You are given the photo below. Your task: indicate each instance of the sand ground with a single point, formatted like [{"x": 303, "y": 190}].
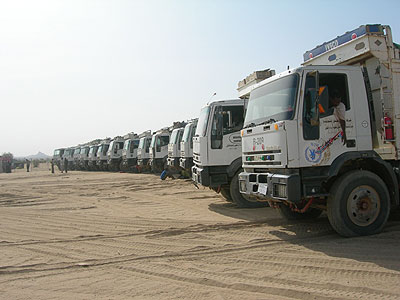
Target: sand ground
[{"x": 100, "y": 235}]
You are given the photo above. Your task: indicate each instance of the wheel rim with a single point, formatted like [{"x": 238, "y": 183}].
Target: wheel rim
[{"x": 363, "y": 205}]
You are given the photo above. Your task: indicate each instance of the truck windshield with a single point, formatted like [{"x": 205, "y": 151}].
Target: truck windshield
[
  {"x": 275, "y": 100},
  {"x": 186, "y": 133},
  {"x": 134, "y": 144},
  {"x": 126, "y": 144},
  {"x": 203, "y": 120},
  {"x": 141, "y": 143},
  {"x": 174, "y": 136},
  {"x": 153, "y": 141}
]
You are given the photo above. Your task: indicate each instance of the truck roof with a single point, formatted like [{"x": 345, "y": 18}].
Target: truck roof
[
  {"x": 343, "y": 39},
  {"x": 228, "y": 101}
]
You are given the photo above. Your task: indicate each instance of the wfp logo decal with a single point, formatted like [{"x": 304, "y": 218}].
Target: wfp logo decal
[{"x": 313, "y": 153}]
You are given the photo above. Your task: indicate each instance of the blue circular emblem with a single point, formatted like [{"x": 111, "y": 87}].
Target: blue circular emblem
[{"x": 313, "y": 153}]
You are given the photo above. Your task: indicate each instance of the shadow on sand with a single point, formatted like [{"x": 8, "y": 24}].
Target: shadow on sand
[{"x": 317, "y": 235}]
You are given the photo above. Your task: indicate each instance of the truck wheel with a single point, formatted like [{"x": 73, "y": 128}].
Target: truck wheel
[
  {"x": 286, "y": 212},
  {"x": 238, "y": 198},
  {"x": 225, "y": 192},
  {"x": 358, "y": 204}
]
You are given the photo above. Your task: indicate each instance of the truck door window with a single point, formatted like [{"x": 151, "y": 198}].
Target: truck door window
[
  {"x": 161, "y": 142},
  {"x": 310, "y": 113},
  {"x": 217, "y": 128},
  {"x": 233, "y": 117},
  {"x": 328, "y": 83},
  {"x": 227, "y": 120},
  {"x": 335, "y": 82}
]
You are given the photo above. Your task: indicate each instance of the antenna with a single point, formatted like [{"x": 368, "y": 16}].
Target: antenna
[{"x": 211, "y": 98}]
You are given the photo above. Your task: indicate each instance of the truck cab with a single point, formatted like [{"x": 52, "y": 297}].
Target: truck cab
[
  {"x": 159, "y": 150},
  {"x": 77, "y": 154},
  {"x": 69, "y": 156},
  {"x": 303, "y": 155},
  {"x": 186, "y": 159},
  {"x": 58, "y": 156},
  {"x": 217, "y": 149},
  {"x": 92, "y": 166},
  {"x": 129, "y": 153},
  {"x": 84, "y": 157},
  {"x": 101, "y": 158},
  {"x": 114, "y": 153},
  {"x": 174, "y": 149},
  {"x": 143, "y": 151}
]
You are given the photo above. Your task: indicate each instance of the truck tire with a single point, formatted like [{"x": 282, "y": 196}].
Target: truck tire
[
  {"x": 288, "y": 214},
  {"x": 238, "y": 198},
  {"x": 358, "y": 204},
  {"x": 225, "y": 192}
]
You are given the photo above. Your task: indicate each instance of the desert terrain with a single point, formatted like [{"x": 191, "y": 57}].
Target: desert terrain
[{"x": 99, "y": 235}]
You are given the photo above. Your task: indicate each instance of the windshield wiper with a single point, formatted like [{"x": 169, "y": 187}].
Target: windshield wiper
[
  {"x": 267, "y": 122},
  {"x": 249, "y": 125}
]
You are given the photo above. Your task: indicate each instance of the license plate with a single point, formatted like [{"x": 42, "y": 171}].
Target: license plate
[{"x": 263, "y": 189}]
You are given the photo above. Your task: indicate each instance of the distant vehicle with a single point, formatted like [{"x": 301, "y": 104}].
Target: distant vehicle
[
  {"x": 174, "y": 151},
  {"x": 159, "y": 150},
  {"x": 143, "y": 151},
  {"x": 217, "y": 149},
  {"x": 92, "y": 165},
  {"x": 101, "y": 158},
  {"x": 130, "y": 153},
  {"x": 186, "y": 155},
  {"x": 114, "y": 153},
  {"x": 57, "y": 157}
]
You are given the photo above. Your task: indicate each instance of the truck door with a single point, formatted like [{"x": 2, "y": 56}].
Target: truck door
[
  {"x": 321, "y": 139},
  {"x": 225, "y": 140}
]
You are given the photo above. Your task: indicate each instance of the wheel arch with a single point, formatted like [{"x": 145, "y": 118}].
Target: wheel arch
[
  {"x": 368, "y": 160},
  {"x": 235, "y": 166}
]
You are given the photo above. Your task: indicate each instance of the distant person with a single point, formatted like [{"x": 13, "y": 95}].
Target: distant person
[
  {"x": 66, "y": 165},
  {"x": 52, "y": 165},
  {"x": 28, "y": 164},
  {"x": 339, "y": 110}
]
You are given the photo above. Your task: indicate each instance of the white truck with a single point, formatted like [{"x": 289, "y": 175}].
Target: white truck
[
  {"x": 296, "y": 154},
  {"x": 174, "y": 150},
  {"x": 69, "y": 156},
  {"x": 76, "y": 156},
  {"x": 83, "y": 159},
  {"x": 57, "y": 157},
  {"x": 159, "y": 150},
  {"x": 129, "y": 153},
  {"x": 92, "y": 166},
  {"x": 143, "y": 152},
  {"x": 217, "y": 149},
  {"x": 186, "y": 156},
  {"x": 114, "y": 153},
  {"x": 101, "y": 158}
]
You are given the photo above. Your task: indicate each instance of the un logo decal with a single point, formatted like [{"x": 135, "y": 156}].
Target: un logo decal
[{"x": 313, "y": 153}]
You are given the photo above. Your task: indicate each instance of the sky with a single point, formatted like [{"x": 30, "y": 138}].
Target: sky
[{"x": 76, "y": 70}]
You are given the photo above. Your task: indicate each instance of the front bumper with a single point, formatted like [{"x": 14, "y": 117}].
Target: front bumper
[
  {"x": 209, "y": 177},
  {"x": 271, "y": 186}
]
